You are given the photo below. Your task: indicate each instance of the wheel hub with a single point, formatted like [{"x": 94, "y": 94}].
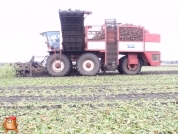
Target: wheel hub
[
  {"x": 88, "y": 65},
  {"x": 58, "y": 65},
  {"x": 132, "y": 67}
]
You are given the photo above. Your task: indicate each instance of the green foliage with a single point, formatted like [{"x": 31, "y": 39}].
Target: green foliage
[
  {"x": 99, "y": 116},
  {"x": 126, "y": 117},
  {"x": 7, "y": 71}
]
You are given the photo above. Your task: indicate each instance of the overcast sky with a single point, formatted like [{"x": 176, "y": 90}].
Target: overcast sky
[{"x": 23, "y": 20}]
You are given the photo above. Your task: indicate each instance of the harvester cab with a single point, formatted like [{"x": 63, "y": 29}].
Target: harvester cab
[{"x": 52, "y": 40}]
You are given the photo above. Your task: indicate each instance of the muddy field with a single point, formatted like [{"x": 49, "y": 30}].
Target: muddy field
[
  {"x": 143, "y": 103},
  {"x": 99, "y": 93},
  {"x": 94, "y": 97},
  {"x": 146, "y": 72}
]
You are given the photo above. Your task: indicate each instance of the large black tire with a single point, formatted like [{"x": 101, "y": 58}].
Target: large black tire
[
  {"x": 65, "y": 65},
  {"x": 141, "y": 62},
  {"x": 119, "y": 66},
  {"x": 88, "y": 58},
  {"x": 140, "y": 70},
  {"x": 124, "y": 69}
]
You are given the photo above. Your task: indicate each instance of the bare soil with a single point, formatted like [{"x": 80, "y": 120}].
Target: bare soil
[
  {"x": 168, "y": 95},
  {"x": 170, "y": 72},
  {"x": 131, "y": 96}
]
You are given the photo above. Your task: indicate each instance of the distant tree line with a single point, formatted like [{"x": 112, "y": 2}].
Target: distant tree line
[{"x": 170, "y": 62}]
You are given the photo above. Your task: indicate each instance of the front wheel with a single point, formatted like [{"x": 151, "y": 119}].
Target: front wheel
[
  {"x": 57, "y": 67},
  {"x": 88, "y": 64}
]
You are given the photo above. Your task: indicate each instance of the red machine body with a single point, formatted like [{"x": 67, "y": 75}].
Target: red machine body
[
  {"x": 148, "y": 48},
  {"x": 98, "y": 47}
]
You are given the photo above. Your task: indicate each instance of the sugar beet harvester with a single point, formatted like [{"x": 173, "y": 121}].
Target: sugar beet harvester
[{"x": 97, "y": 47}]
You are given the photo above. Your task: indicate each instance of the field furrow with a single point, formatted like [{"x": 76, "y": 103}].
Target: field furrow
[
  {"x": 172, "y": 95},
  {"x": 151, "y": 83},
  {"x": 146, "y": 72}
]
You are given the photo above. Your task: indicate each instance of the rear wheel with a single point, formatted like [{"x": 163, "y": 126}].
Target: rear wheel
[
  {"x": 131, "y": 69},
  {"x": 140, "y": 70},
  {"x": 119, "y": 67},
  {"x": 55, "y": 67},
  {"x": 141, "y": 62},
  {"x": 88, "y": 64}
]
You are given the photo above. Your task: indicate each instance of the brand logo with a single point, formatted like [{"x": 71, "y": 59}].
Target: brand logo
[
  {"x": 130, "y": 46},
  {"x": 10, "y": 124}
]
